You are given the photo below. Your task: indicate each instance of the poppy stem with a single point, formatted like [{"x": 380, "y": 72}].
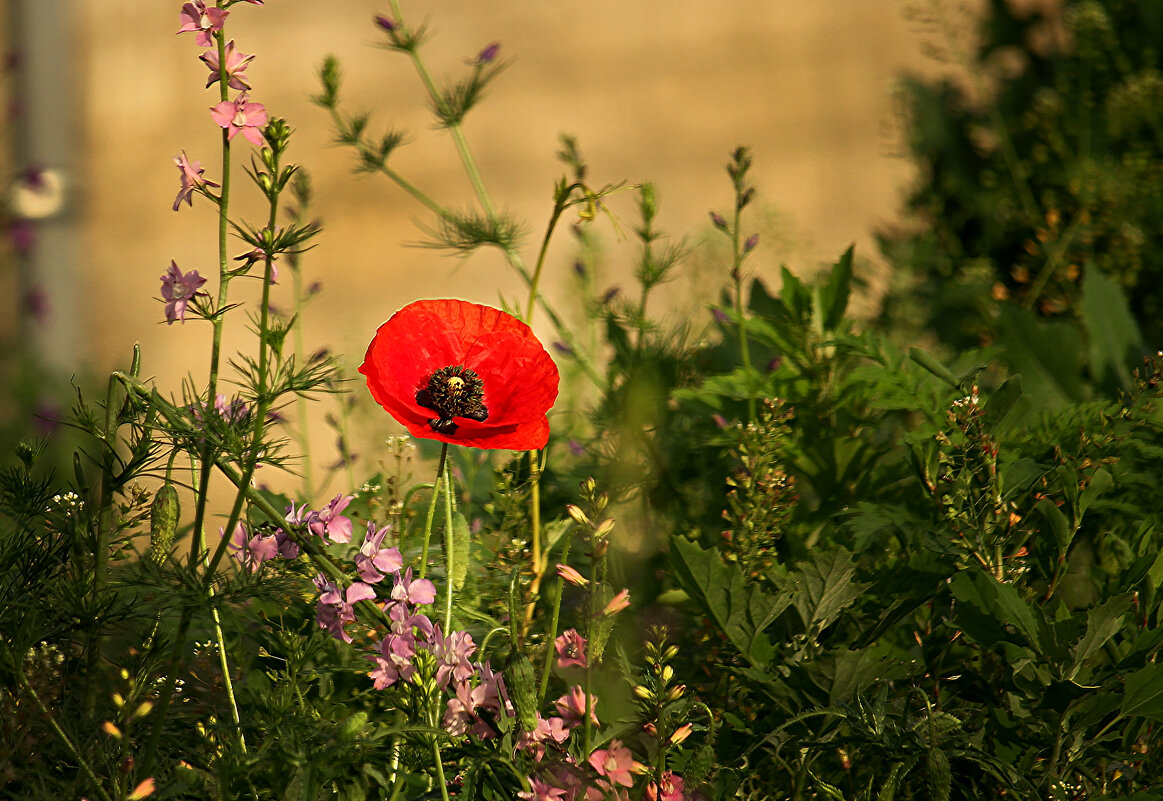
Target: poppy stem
[
  {"x": 432, "y": 509},
  {"x": 449, "y": 547}
]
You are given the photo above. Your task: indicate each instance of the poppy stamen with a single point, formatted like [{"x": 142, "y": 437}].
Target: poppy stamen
[{"x": 453, "y": 391}]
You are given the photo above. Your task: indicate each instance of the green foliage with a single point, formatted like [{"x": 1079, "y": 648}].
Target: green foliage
[{"x": 1041, "y": 178}]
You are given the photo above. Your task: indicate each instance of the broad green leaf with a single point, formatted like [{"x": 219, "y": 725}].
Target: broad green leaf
[
  {"x": 1114, "y": 336},
  {"x": 1046, "y": 354},
  {"x": 741, "y": 612},
  {"x": 824, "y": 587},
  {"x": 1017, "y": 612},
  {"x": 1143, "y": 693},
  {"x": 933, "y": 365}
]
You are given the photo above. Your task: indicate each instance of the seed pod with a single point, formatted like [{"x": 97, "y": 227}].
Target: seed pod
[
  {"x": 163, "y": 522},
  {"x": 522, "y": 686}
]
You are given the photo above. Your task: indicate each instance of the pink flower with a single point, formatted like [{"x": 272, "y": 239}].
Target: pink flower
[
  {"x": 372, "y": 561},
  {"x": 615, "y": 763},
  {"x": 335, "y": 609},
  {"x": 540, "y": 791},
  {"x": 452, "y": 653},
  {"x": 546, "y": 729},
  {"x": 190, "y": 174},
  {"x": 669, "y": 789},
  {"x": 178, "y": 290},
  {"x": 571, "y": 649},
  {"x": 329, "y": 524},
  {"x": 420, "y": 591},
  {"x": 241, "y": 115},
  {"x": 197, "y": 18},
  {"x": 394, "y": 662},
  {"x": 572, "y": 707},
  {"x": 253, "y": 551},
  {"x": 236, "y": 64}
]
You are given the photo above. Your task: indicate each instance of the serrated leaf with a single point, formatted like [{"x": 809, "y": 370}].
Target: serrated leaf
[
  {"x": 1059, "y": 525},
  {"x": 742, "y": 613},
  {"x": 824, "y": 587},
  {"x": 1102, "y": 622}
]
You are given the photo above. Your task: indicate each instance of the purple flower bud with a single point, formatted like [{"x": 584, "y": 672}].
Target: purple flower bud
[
  {"x": 720, "y": 420},
  {"x": 611, "y": 293},
  {"x": 576, "y": 448},
  {"x": 751, "y": 242},
  {"x": 774, "y": 364},
  {"x": 385, "y": 22},
  {"x": 579, "y": 268},
  {"x": 563, "y": 348},
  {"x": 489, "y": 53},
  {"x": 718, "y": 221},
  {"x": 315, "y": 288},
  {"x": 719, "y": 315}
]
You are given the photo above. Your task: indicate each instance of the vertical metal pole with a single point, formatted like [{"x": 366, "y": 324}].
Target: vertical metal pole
[{"x": 46, "y": 118}]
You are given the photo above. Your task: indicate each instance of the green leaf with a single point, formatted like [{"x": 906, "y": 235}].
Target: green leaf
[
  {"x": 933, "y": 365},
  {"x": 1143, "y": 693},
  {"x": 1016, "y": 477},
  {"x": 1046, "y": 354},
  {"x": 1114, "y": 336},
  {"x": 1059, "y": 525},
  {"x": 1102, "y": 622},
  {"x": 824, "y": 587},
  {"x": 742, "y": 613},
  {"x": 834, "y": 293},
  {"x": 1003, "y": 402}
]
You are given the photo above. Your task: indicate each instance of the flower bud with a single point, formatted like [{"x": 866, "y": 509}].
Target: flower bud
[
  {"x": 644, "y": 692},
  {"x": 718, "y": 221},
  {"x": 681, "y": 733},
  {"x": 751, "y": 242},
  {"x": 111, "y": 730},
  {"x": 577, "y": 514},
  {"x": 385, "y": 23},
  {"x": 604, "y": 529},
  {"x": 572, "y": 576},
  {"x": 676, "y": 692},
  {"x": 667, "y": 673}
]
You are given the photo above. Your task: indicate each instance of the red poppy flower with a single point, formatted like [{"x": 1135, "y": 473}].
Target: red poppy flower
[{"x": 463, "y": 373}]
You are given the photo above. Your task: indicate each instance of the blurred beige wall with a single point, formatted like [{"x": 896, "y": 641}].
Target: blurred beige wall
[{"x": 654, "y": 91}]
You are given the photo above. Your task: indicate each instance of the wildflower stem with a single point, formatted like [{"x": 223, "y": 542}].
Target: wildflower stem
[
  {"x": 432, "y": 509},
  {"x": 438, "y": 760},
  {"x": 552, "y": 635},
  {"x": 218, "y": 320},
  {"x": 737, "y": 279},
  {"x": 297, "y": 300}
]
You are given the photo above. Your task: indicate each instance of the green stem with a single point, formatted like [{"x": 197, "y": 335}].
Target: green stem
[
  {"x": 449, "y": 549},
  {"x": 303, "y": 431},
  {"x": 737, "y": 278},
  {"x": 438, "y": 761},
  {"x": 432, "y": 509},
  {"x": 549, "y": 650}
]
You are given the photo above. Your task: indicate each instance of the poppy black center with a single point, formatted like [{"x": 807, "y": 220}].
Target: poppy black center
[{"x": 453, "y": 391}]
